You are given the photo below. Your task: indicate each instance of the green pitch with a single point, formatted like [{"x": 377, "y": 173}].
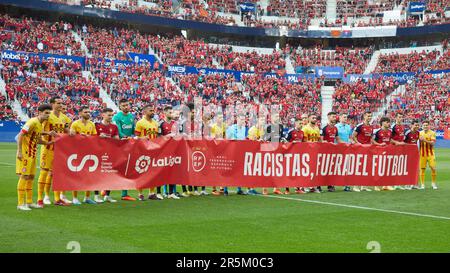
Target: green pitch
[{"x": 399, "y": 221}]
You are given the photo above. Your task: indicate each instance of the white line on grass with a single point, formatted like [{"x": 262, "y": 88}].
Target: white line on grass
[{"x": 358, "y": 207}]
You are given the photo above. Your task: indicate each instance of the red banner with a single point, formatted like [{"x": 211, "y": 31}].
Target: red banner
[{"x": 92, "y": 163}]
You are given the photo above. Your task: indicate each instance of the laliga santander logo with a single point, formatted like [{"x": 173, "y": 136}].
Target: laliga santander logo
[
  {"x": 198, "y": 161},
  {"x": 85, "y": 159},
  {"x": 142, "y": 164}
]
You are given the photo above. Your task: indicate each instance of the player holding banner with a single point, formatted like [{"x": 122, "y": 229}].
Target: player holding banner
[
  {"x": 411, "y": 137},
  {"x": 125, "y": 123},
  {"x": 58, "y": 122},
  {"x": 383, "y": 137},
  {"x": 398, "y": 135},
  {"x": 27, "y": 141},
  {"x": 363, "y": 135},
  {"x": 329, "y": 133},
  {"x": 295, "y": 135},
  {"x": 106, "y": 129},
  {"x": 427, "y": 139},
  {"x": 147, "y": 128},
  {"x": 85, "y": 127}
]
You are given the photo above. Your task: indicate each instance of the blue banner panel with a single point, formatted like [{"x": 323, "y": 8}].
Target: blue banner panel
[
  {"x": 9, "y": 130},
  {"x": 329, "y": 72},
  {"x": 355, "y": 77},
  {"x": 142, "y": 58},
  {"x": 16, "y": 56},
  {"x": 247, "y": 7},
  {"x": 401, "y": 78},
  {"x": 416, "y": 7}
]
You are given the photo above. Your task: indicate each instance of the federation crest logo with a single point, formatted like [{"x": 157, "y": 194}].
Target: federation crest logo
[
  {"x": 198, "y": 161},
  {"x": 86, "y": 158},
  {"x": 142, "y": 164}
]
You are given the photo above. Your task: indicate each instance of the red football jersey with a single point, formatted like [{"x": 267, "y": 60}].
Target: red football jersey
[
  {"x": 364, "y": 133},
  {"x": 398, "y": 132},
  {"x": 109, "y": 130},
  {"x": 165, "y": 127},
  {"x": 295, "y": 135},
  {"x": 329, "y": 133},
  {"x": 383, "y": 136},
  {"x": 411, "y": 137}
]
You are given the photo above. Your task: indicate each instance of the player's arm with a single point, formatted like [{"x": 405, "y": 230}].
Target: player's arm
[
  {"x": 138, "y": 132},
  {"x": 43, "y": 142},
  {"x": 116, "y": 133},
  {"x": 397, "y": 142},
  {"x": 338, "y": 139},
  {"x": 73, "y": 129},
  {"x": 322, "y": 134},
  {"x": 374, "y": 142},
  {"x": 47, "y": 133},
  {"x": 19, "y": 144},
  {"x": 354, "y": 137},
  {"x": 119, "y": 126}
]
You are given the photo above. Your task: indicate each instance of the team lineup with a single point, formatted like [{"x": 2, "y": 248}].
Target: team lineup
[{"x": 52, "y": 121}]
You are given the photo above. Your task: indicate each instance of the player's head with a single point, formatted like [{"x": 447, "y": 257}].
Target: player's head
[
  {"x": 367, "y": 117},
  {"x": 219, "y": 118},
  {"x": 312, "y": 119},
  {"x": 415, "y": 126},
  {"x": 331, "y": 117},
  {"x": 343, "y": 118},
  {"x": 398, "y": 118},
  {"x": 56, "y": 103},
  {"x": 425, "y": 125},
  {"x": 275, "y": 117},
  {"x": 298, "y": 123},
  {"x": 44, "y": 111},
  {"x": 385, "y": 122},
  {"x": 240, "y": 118},
  {"x": 261, "y": 120},
  {"x": 124, "y": 106},
  {"x": 63, "y": 108},
  {"x": 148, "y": 111},
  {"x": 305, "y": 119},
  {"x": 191, "y": 107},
  {"x": 168, "y": 112},
  {"x": 107, "y": 114},
  {"x": 176, "y": 114},
  {"x": 84, "y": 112}
]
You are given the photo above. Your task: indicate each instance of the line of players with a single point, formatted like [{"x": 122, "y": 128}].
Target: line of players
[{"x": 52, "y": 120}]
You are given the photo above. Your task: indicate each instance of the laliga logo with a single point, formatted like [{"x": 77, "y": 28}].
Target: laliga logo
[
  {"x": 83, "y": 162},
  {"x": 198, "y": 161},
  {"x": 142, "y": 164}
]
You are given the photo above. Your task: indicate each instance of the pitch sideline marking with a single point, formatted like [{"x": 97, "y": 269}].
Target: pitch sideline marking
[{"x": 358, "y": 207}]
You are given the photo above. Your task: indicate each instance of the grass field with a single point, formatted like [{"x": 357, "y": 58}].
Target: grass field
[{"x": 400, "y": 221}]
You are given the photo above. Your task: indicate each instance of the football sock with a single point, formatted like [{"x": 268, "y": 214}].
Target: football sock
[
  {"x": 422, "y": 176},
  {"x": 41, "y": 183},
  {"x": 48, "y": 184},
  {"x": 21, "y": 187},
  {"x": 29, "y": 191}
]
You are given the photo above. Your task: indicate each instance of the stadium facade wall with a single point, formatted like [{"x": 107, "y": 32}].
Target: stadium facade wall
[{"x": 339, "y": 32}]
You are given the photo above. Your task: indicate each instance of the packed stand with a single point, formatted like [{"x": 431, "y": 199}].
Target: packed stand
[
  {"x": 138, "y": 83},
  {"x": 251, "y": 61},
  {"x": 7, "y": 112},
  {"x": 29, "y": 35},
  {"x": 180, "y": 51},
  {"x": 412, "y": 62},
  {"x": 113, "y": 43},
  {"x": 33, "y": 82},
  {"x": 294, "y": 98},
  {"x": 426, "y": 98},
  {"x": 353, "y": 60},
  {"x": 356, "y": 98}
]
